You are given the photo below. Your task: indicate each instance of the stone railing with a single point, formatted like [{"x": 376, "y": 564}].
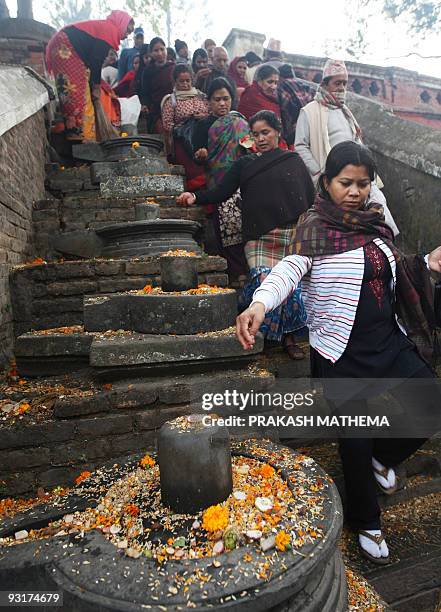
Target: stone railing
[{"x": 409, "y": 163}]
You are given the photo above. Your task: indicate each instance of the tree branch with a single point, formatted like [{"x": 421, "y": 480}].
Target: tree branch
[{"x": 414, "y": 53}]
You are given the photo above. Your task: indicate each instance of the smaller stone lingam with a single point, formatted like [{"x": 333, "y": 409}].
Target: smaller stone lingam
[
  {"x": 179, "y": 272},
  {"x": 195, "y": 464}
]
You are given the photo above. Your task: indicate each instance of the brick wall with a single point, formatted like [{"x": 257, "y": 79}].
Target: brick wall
[
  {"x": 23, "y": 52},
  {"x": 22, "y": 160}
]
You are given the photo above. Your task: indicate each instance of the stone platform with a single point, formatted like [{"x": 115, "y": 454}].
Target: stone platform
[
  {"x": 93, "y": 573},
  {"x": 137, "y": 354},
  {"x": 161, "y": 313},
  {"x": 51, "y": 295}
]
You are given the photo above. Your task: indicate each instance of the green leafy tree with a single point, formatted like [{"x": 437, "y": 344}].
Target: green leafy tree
[
  {"x": 152, "y": 12},
  {"x": 189, "y": 21},
  {"x": 64, "y": 12}
]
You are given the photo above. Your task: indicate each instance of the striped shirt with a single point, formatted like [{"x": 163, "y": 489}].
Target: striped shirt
[{"x": 330, "y": 289}]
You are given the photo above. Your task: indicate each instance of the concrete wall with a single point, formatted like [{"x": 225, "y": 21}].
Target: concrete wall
[
  {"x": 22, "y": 161},
  {"x": 409, "y": 163}
]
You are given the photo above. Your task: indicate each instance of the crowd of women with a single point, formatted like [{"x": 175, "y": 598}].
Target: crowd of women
[{"x": 293, "y": 200}]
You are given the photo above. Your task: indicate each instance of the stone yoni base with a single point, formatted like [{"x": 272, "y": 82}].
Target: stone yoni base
[
  {"x": 148, "y": 238},
  {"x": 150, "y": 185}
]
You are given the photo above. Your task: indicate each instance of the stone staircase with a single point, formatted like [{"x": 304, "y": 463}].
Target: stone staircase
[{"x": 99, "y": 381}]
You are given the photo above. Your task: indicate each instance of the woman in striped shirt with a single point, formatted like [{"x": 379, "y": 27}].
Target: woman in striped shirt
[{"x": 354, "y": 284}]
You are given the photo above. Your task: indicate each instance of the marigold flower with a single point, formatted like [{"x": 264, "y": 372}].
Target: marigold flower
[
  {"x": 283, "y": 540},
  {"x": 135, "y": 144},
  {"x": 131, "y": 509},
  {"x": 82, "y": 477},
  {"x": 124, "y": 134},
  {"x": 147, "y": 289},
  {"x": 266, "y": 471},
  {"x": 23, "y": 408},
  {"x": 147, "y": 461},
  {"x": 215, "y": 518}
]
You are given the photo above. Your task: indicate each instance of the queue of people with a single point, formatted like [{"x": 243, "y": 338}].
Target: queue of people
[{"x": 293, "y": 201}]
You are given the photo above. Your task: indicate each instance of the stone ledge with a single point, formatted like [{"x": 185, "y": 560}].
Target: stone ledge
[
  {"x": 137, "y": 349},
  {"x": 52, "y": 345}
]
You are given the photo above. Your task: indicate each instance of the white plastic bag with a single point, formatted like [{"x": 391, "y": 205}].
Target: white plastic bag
[{"x": 130, "y": 110}]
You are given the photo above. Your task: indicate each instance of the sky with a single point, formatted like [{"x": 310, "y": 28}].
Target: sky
[{"x": 311, "y": 27}]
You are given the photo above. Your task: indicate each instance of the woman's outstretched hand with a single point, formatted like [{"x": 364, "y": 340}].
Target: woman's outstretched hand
[
  {"x": 186, "y": 199},
  {"x": 435, "y": 260},
  {"x": 248, "y": 323},
  {"x": 201, "y": 154}
]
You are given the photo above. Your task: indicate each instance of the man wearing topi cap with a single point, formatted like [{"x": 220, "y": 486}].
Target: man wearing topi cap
[{"x": 327, "y": 121}]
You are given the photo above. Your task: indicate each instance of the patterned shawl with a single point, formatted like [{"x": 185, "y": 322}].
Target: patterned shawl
[
  {"x": 327, "y": 99},
  {"x": 224, "y": 145},
  {"x": 293, "y": 95},
  {"x": 326, "y": 229}
]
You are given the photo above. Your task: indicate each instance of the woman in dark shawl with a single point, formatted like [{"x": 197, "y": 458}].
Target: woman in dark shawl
[
  {"x": 275, "y": 188},
  {"x": 156, "y": 82},
  {"x": 218, "y": 141}
]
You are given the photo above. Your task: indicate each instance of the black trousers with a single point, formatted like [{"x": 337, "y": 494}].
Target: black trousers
[{"x": 363, "y": 510}]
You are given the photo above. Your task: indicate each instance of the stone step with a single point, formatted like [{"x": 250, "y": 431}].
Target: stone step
[
  {"x": 420, "y": 475},
  {"x": 412, "y": 581},
  {"x": 123, "y": 187},
  {"x": 161, "y": 313},
  {"x": 51, "y": 354},
  {"x": 125, "y": 355}
]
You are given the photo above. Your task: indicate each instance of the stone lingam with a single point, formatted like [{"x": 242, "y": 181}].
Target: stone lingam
[{"x": 125, "y": 538}]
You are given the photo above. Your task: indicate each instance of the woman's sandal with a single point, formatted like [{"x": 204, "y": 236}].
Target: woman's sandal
[
  {"x": 383, "y": 472},
  {"x": 293, "y": 350},
  {"x": 378, "y": 539}
]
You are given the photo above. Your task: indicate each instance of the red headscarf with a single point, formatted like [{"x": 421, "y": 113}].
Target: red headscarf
[
  {"x": 233, "y": 74},
  {"x": 254, "y": 100},
  {"x": 112, "y": 29}
]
